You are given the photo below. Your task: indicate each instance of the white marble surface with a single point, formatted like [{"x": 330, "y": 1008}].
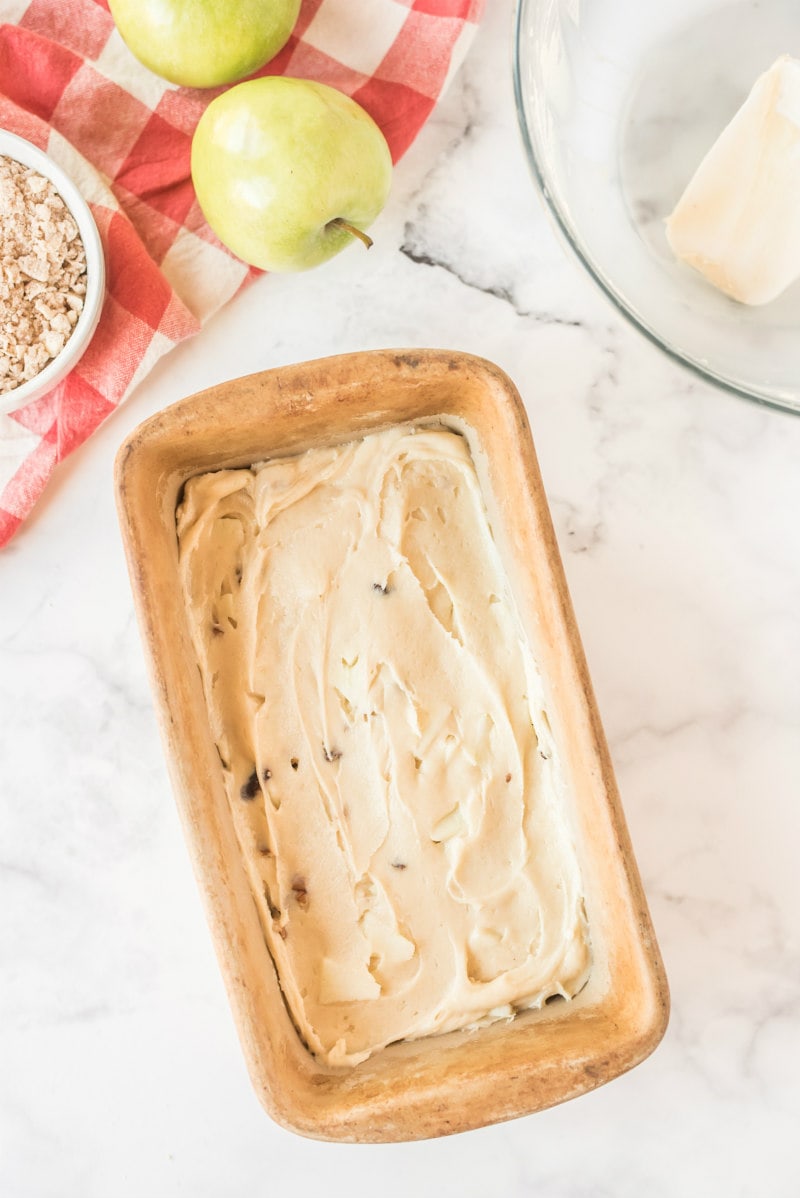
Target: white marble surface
[{"x": 676, "y": 509}]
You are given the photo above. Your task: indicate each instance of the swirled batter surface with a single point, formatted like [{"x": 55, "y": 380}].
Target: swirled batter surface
[{"x": 380, "y": 723}]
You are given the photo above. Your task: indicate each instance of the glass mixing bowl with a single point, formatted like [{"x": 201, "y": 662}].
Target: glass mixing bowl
[{"x": 618, "y": 102}]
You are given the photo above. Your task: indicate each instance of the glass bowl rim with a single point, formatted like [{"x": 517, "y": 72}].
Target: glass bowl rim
[{"x": 570, "y": 235}]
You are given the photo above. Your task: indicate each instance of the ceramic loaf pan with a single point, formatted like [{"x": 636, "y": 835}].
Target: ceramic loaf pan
[{"x": 440, "y": 1084}]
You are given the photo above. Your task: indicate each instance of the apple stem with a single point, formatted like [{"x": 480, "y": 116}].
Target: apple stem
[{"x": 351, "y": 229}]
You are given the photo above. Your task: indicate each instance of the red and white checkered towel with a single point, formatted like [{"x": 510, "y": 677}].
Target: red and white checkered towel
[{"x": 69, "y": 84}]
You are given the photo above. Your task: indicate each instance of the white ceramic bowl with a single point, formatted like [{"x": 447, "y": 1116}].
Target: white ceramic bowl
[
  {"x": 618, "y": 102},
  {"x": 25, "y": 152}
]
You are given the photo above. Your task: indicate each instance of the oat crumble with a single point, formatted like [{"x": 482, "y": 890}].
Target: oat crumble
[{"x": 42, "y": 273}]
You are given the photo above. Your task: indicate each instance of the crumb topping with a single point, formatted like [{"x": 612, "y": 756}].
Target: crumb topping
[{"x": 42, "y": 274}]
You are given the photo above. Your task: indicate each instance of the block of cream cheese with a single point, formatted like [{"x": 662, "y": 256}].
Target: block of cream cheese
[
  {"x": 738, "y": 222},
  {"x": 381, "y": 726}
]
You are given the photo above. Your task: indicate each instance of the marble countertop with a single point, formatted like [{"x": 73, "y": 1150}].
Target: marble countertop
[{"x": 676, "y": 509}]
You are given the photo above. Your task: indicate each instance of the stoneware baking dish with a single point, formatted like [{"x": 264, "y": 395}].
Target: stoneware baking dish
[{"x": 439, "y": 1084}]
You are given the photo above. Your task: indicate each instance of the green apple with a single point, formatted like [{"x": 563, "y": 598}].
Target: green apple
[
  {"x": 204, "y": 43},
  {"x": 288, "y": 171}
]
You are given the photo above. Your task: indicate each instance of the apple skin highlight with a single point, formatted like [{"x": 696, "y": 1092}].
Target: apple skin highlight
[{"x": 276, "y": 162}]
